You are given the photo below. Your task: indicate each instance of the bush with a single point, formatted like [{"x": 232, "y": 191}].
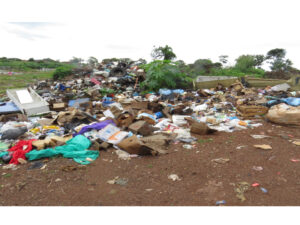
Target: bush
[
  {"x": 31, "y": 64},
  {"x": 62, "y": 72},
  {"x": 235, "y": 72},
  {"x": 164, "y": 74}
]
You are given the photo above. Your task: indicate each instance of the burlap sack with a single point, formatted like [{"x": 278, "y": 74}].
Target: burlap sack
[{"x": 284, "y": 114}]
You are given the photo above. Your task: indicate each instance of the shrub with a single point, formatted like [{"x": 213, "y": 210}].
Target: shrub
[
  {"x": 62, "y": 72},
  {"x": 164, "y": 74},
  {"x": 235, "y": 72}
]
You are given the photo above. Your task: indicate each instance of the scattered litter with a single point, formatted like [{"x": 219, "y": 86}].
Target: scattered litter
[
  {"x": 257, "y": 168},
  {"x": 106, "y": 106},
  {"x": 264, "y": 147},
  {"x": 296, "y": 143},
  {"x": 174, "y": 177},
  {"x": 36, "y": 165},
  {"x": 263, "y": 190},
  {"x": 123, "y": 155},
  {"x": 117, "y": 180},
  {"x": 10, "y": 167},
  {"x": 257, "y": 136},
  {"x": 221, "y": 202},
  {"x": 220, "y": 160},
  {"x": 295, "y": 160},
  {"x": 187, "y": 146},
  {"x": 241, "y": 188}
]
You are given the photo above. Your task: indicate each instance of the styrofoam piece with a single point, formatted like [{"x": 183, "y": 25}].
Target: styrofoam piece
[{"x": 37, "y": 106}]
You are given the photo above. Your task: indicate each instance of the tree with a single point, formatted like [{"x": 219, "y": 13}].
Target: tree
[
  {"x": 142, "y": 61},
  {"x": 76, "y": 61},
  {"x": 93, "y": 62},
  {"x": 276, "y": 57},
  {"x": 281, "y": 65},
  {"x": 202, "y": 66},
  {"x": 258, "y": 60},
  {"x": 276, "y": 53},
  {"x": 245, "y": 62},
  {"x": 223, "y": 59},
  {"x": 165, "y": 53}
]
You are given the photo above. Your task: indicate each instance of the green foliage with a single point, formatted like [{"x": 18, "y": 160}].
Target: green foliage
[
  {"x": 281, "y": 65},
  {"x": 258, "y": 60},
  {"x": 277, "y": 60},
  {"x": 164, "y": 74},
  {"x": 21, "y": 80},
  {"x": 76, "y": 61},
  {"x": 62, "y": 72},
  {"x": 24, "y": 65},
  {"x": 276, "y": 53},
  {"x": 165, "y": 53},
  {"x": 108, "y": 60},
  {"x": 204, "y": 66},
  {"x": 244, "y": 63},
  {"x": 105, "y": 91},
  {"x": 93, "y": 62},
  {"x": 235, "y": 72},
  {"x": 201, "y": 66},
  {"x": 223, "y": 59}
]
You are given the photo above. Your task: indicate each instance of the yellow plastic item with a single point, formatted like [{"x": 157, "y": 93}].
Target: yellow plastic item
[
  {"x": 35, "y": 130},
  {"x": 51, "y": 127}
]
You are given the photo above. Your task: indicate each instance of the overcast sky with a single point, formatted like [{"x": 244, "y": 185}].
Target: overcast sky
[{"x": 130, "y": 28}]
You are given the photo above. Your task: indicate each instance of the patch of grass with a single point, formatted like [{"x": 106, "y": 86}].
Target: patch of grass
[
  {"x": 7, "y": 175},
  {"x": 202, "y": 141},
  {"x": 22, "y": 80},
  {"x": 150, "y": 166}
]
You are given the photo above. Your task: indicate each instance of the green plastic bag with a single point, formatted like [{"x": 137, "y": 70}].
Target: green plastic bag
[{"x": 76, "y": 148}]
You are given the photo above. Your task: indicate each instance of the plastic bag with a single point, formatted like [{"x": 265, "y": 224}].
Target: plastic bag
[{"x": 76, "y": 148}]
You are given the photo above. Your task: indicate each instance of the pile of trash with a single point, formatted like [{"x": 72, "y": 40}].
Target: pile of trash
[{"x": 104, "y": 109}]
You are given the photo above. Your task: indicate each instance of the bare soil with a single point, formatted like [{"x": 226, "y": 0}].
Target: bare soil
[{"x": 203, "y": 182}]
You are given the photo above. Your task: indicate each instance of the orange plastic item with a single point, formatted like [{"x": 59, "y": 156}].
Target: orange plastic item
[{"x": 242, "y": 123}]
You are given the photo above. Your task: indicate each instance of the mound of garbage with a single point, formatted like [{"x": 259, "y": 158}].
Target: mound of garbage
[{"x": 105, "y": 109}]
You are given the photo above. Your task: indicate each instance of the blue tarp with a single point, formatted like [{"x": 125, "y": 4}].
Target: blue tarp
[
  {"x": 75, "y": 103},
  {"x": 9, "y": 107},
  {"x": 289, "y": 101}
]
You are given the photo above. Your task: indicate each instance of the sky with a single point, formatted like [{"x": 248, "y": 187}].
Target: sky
[{"x": 117, "y": 28}]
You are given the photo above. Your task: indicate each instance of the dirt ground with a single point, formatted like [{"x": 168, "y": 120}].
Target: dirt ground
[{"x": 202, "y": 183}]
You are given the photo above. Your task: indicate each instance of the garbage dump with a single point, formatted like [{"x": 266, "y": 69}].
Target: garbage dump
[{"x": 105, "y": 109}]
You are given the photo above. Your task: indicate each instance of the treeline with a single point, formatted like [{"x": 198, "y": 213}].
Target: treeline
[
  {"x": 16, "y": 64},
  {"x": 166, "y": 71},
  {"x": 280, "y": 66}
]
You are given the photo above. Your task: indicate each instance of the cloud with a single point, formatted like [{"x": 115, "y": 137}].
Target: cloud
[
  {"x": 29, "y": 30},
  {"x": 32, "y": 25},
  {"x": 26, "y": 35}
]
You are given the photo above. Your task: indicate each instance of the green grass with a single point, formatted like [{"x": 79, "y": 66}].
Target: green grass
[
  {"x": 22, "y": 80},
  {"x": 202, "y": 141}
]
